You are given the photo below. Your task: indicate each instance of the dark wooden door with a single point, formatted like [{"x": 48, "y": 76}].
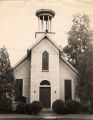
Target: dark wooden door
[
  {"x": 68, "y": 90},
  {"x": 45, "y": 96}
]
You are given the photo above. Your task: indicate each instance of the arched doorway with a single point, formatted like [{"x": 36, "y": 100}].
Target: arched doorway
[{"x": 45, "y": 94}]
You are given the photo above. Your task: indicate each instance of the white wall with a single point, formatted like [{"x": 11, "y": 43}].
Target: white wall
[
  {"x": 22, "y": 71},
  {"x": 30, "y": 70},
  {"x": 66, "y": 73},
  {"x": 36, "y": 70}
]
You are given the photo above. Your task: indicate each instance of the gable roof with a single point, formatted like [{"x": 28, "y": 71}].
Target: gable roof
[
  {"x": 20, "y": 61},
  {"x": 52, "y": 42},
  {"x": 68, "y": 64},
  {"x": 48, "y": 38}
]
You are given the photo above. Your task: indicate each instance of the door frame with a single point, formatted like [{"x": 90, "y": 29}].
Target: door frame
[{"x": 46, "y": 86}]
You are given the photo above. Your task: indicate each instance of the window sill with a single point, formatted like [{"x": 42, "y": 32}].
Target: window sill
[{"x": 45, "y": 70}]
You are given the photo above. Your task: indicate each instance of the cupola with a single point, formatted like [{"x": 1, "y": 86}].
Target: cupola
[{"x": 44, "y": 21}]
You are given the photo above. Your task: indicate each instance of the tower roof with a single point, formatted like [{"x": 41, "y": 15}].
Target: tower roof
[{"x": 44, "y": 12}]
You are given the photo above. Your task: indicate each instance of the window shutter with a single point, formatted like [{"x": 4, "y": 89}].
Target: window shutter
[
  {"x": 68, "y": 90},
  {"x": 18, "y": 87}
]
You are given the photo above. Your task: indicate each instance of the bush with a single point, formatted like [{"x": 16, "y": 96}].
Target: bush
[
  {"x": 66, "y": 109},
  {"x": 73, "y": 107},
  {"x": 28, "y": 108},
  {"x": 32, "y": 108},
  {"x": 90, "y": 110},
  {"x": 21, "y": 109},
  {"x": 5, "y": 106},
  {"x": 85, "y": 108},
  {"x": 58, "y": 106},
  {"x": 21, "y": 99},
  {"x": 36, "y": 107},
  {"x": 24, "y": 108}
]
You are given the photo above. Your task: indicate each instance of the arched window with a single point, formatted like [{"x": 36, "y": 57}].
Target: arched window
[
  {"x": 45, "y": 82},
  {"x": 45, "y": 60}
]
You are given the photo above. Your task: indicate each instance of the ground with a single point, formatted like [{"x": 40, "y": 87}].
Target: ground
[{"x": 46, "y": 117}]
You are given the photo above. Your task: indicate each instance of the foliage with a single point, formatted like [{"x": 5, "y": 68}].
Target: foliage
[
  {"x": 68, "y": 107},
  {"x": 21, "y": 99},
  {"x": 90, "y": 110},
  {"x": 20, "y": 108},
  {"x": 32, "y": 108},
  {"x": 73, "y": 107},
  {"x": 6, "y": 75},
  {"x": 36, "y": 107},
  {"x": 84, "y": 83},
  {"x": 58, "y": 106},
  {"x": 5, "y": 106},
  {"x": 24, "y": 108},
  {"x": 77, "y": 39},
  {"x": 85, "y": 108}
]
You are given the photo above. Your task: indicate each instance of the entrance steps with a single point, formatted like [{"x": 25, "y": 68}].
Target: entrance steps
[{"x": 47, "y": 111}]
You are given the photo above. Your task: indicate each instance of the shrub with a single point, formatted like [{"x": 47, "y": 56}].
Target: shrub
[
  {"x": 66, "y": 109},
  {"x": 87, "y": 109},
  {"x": 58, "y": 106},
  {"x": 73, "y": 106},
  {"x": 29, "y": 109},
  {"x": 84, "y": 108},
  {"x": 21, "y": 99},
  {"x": 5, "y": 106},
  {"x": 90, "y": 110},
  {"x": 32, "y": 108},
  {"x": 36, "y": 107},
  {"x": 21, "y": 108}
]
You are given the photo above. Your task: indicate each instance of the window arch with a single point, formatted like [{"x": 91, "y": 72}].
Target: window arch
[
  {"x": 45, "y": 60},
  {"x": 45, "y": 82}
]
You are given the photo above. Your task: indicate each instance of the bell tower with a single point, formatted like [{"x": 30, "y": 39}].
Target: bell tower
[{"x": 44, "y": 21}]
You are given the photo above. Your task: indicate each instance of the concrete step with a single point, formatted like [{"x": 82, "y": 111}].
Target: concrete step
[{"x": 47, "y": 111}]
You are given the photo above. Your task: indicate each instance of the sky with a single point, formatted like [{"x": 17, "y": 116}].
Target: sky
[{"x": 18, "y": 22}]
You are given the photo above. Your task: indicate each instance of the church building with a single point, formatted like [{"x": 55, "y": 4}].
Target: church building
[{"x": 43, "y": 74}]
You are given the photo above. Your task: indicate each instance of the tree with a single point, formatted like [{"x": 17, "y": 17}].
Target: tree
[
  {"x": 84, "y": 83},
  {"x": 77, "y": 39},
  {"x": 6, "y": 75}
]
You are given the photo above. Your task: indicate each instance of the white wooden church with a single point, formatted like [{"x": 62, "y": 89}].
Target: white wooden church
[{"x": 44, "y": 74}]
